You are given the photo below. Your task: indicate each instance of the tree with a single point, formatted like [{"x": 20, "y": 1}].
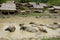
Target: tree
[
  {"x": 24, "y": 1},
  {"x": 1, "y": 1}
]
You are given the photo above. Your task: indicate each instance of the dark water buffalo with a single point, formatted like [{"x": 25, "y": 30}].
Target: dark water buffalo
[
  {"x": 29, "y": 29},
  {"x": 41, "y": 28},
  {"x": 23, "y": 28},
  {"x": 10, "y": 29},
  {"x": 21, "y": 24}
]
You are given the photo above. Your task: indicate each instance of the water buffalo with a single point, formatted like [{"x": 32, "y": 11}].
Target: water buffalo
[
  {"x": 21, "y": 24},
  {"x": 29, "y": 29},
  {"x": 41, "y": 28},
  {"x": 10, "y": 29}
]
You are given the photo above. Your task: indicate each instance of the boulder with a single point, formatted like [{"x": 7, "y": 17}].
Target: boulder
[
  {"x": 38, "y": 16},
  {"x": 41, "y": 25}
]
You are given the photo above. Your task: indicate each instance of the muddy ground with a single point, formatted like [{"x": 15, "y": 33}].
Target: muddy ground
[{"x": 24, "y": 35}]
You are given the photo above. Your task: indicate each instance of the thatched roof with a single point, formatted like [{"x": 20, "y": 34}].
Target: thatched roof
[
  {"x": 8, "y": 6},
  {"x": 51, "y": 8},
  {"x": 57, "y": 7},
  {"x": 38, "y": 6},
  {"x": 43, "y": 4},
  {"x": 23, "y": 4},
  {"x": 32, "y": 3}
]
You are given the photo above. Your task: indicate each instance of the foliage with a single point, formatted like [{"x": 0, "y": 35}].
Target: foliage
[
  {"x": 52, "y": 2},
  {"x": 52, "y": 39},
  {"x": 1, "y": 1}
]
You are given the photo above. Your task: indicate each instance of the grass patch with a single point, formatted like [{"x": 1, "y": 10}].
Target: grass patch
[
  {"x": 38, "y": 14},
  {"x": 33, "y": 14},
  {"x": 52, "y": 38}
]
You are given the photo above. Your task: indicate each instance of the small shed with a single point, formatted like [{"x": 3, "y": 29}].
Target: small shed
[{"x": 8, "y": 7}]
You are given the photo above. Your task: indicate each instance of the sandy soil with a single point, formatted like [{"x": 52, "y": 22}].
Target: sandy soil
[{"x": 4, "y": 23}]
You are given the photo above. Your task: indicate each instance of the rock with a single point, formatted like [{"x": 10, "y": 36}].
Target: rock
[
  {"x": 38, "y": 16},
  {"x": 10, "y": 29}
]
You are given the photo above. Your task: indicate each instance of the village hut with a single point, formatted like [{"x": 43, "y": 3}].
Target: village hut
[
  {"x": 35, "y": 7},
  {"x": 17, "y": 5},
  {"x": 51, "y": 10},
  {"x": 38, "y": 8},
  {"x": 23, "y": 4},
  {"x": 57, "y": 8},
  {"x": 8, "y": 8},
  {"x": 30, "y": 4}
]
